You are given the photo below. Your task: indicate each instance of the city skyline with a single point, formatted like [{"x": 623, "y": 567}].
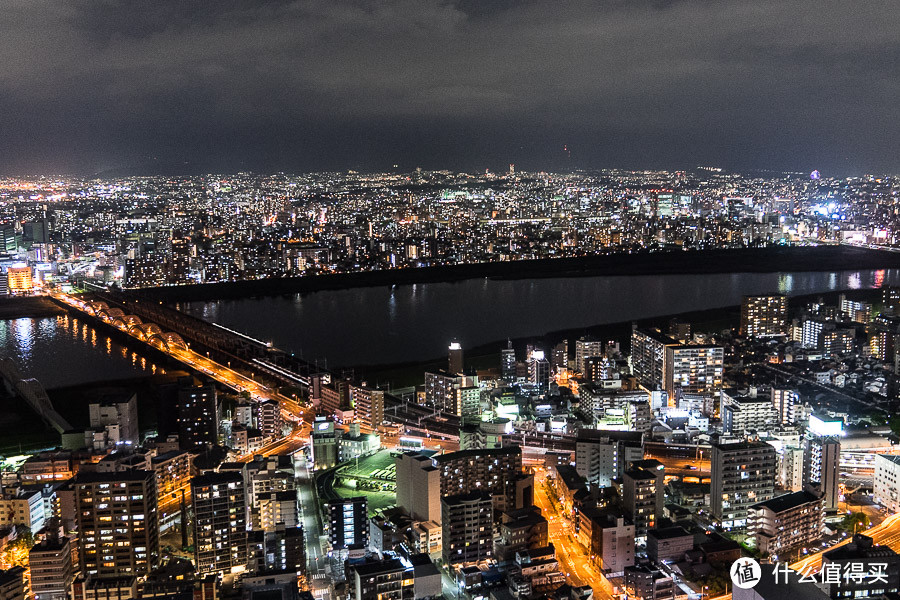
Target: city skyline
[{"x": 306, "y": 86}]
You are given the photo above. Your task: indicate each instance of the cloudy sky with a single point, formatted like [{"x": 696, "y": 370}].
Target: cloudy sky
[{"x": 95, "y": 85}]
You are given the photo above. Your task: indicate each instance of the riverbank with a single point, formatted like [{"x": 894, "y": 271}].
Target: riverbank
[
  {"x": 487, "y": 356},
  {"x": 750, "y": 260},
  {"x": 23, "y": 307}
]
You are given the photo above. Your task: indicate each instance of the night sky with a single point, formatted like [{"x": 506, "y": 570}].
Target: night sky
[{"x": 100, "y": 86}]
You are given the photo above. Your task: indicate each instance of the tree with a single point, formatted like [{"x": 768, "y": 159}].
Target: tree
[{"x": 855, "y": 522}]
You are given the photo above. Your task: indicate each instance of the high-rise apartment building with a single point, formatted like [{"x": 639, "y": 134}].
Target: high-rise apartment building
[
  {"x": 643, "y": 496},
  {"x": 467, "y": 521},
  {"x": 764, "y": 316},
  {"x": 108, "y": 544},
  {"x": 50, "y": 563},
  {"x": 785, "y": 402},
  {"x": 742, "y": 474},
  {"x": 497, "y": 471},
  {"x": 368, "y": 405},
  {"x": 220, "y": 522},
  {"x": 348, "y": 523},
  {"x": 198, "y": 414},
  {"x": 601, "y": 456},
  {"x": 455, "y": 362},
  {"x": 787, "y": 522},
  {"x": 586, "y": 348},
  {"x": 886, "y": 490},
  {"x": 418, "y": 486},
  {"x": 821, "y": 466},
  {"x": 508, "y": 363},
  {"x": 660, "y": 362},
  {"x": 559, "y": 357}
]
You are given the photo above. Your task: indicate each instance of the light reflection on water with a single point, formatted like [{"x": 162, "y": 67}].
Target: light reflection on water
[
  {"x": 61, "y": 351},
  {"x": 391, "y": 324}
]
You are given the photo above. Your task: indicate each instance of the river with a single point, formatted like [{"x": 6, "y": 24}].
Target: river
[{"x": 380, "y": 325}]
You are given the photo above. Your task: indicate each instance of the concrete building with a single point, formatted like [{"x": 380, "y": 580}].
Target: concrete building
[
  {"x": 862, "y": 556},
  {"x": 886, "y": 490},
  {"x": 12, "y": 584},
  {"x": 786, "y": 523},
  {"x": 586, "y": 348},
  {"x": 455, "y": 361},
  {"x": 348, "y": 523},
  {"x": 497, "y": 471},
  {"x": 52, "y": 574},
  {"x": 220, "y": 522},
  {"x": 742, "y": 474},
  {"x": 198, "y": 414},
  {"x": 669, "y": 544},
  {"x": 648, "y": 582},
  {"x": 130, "y": 546},
  {"x": 380, "y": 579},
  {"x": 821, "y": 466},
  {"x": 662, "y": 363},
  {"x": 643, "y": 493},
  {"x": 764, "y": 316},
  {"x": 368, "y": 404},
  {"x": 609, "y": 538},
  {"x": 116, "y": 415},
  {"x": 785, "y": 402},
  {"x": 601, "y": 456},
  {"x": 325, "y": 444},
  {"x": 747, "y": 413},
  {"x": 467, "y": 521},
  {"x": 418, "y": 487}
]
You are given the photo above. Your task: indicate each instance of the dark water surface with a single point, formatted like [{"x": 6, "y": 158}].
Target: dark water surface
[{"x": 378, "y": 325}]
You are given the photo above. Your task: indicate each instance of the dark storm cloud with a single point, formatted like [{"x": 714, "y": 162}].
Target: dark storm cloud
[{"x": 468, "y": 84}]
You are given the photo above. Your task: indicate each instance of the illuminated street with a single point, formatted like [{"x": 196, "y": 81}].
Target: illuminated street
[{"x": 572, "y": 557}]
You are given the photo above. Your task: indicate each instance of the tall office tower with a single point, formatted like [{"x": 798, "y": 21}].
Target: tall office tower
[
  {"x": 455, "y": 362},
  {"x": 268, "y": 418},
  {"x": 198, "y": 414},
  {"x": 821, "y": 466},
  {"x": 601, "y": 456},
  {"x": 865, "y": 569},
  {"x": 220, "y": 522},
  {"x": 348, "y": 523},
  {"x": 467, "y": 522},
  {"x": 50, "y": 563},
  {"x": 368, "y": 405},
  {"x": 508, "y": 362},
  {"x": 109, "y": 545},
  {"x": 538, "y": 369},
  {"x": 418, "y": 487},
  {"x": 786, "y": 403},
  {"x": 642, "y": 491},
  {"x": 742, "y": 474},
  {"x": 494, "y": 470},
  {"x": 585, "y": 348},
  {"x": 117, "y": 414},
  {"x": 764, "y": 316},
  {"x": 559, "y": 357}
]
